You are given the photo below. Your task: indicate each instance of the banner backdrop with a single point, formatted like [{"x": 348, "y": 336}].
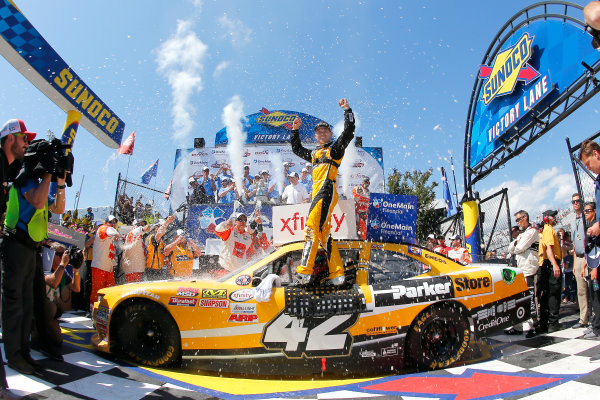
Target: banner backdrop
[
  {"x": 392, "y": 218},
  {"x": 365, "y": 162},
  {"x": 202, "y": 219},
  {"x": 288, "y": 222}
]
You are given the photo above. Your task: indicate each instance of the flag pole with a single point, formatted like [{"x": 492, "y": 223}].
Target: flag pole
[
  {"x": 128, "y": 161},
  {"x": 454, "y": 179}
]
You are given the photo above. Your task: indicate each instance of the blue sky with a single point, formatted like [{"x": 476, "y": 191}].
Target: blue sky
[{"x": 407, "y": 69}]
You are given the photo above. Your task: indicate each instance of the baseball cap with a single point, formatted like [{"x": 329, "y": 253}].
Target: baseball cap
[
  {"x": 366, "y": 179},
  {"x": 191, "y": 179},
  {"x": 293, "y": 175},
  {"x": 550, "y": 213},
  {"x": 308, "y": 164},
  {"x": 264, "y": 171},
  {"x": 112, "y": 218},
  {"x": 431, "y": 236},
  {"x": 225, "y": 179},
  {"x": 240, "y": 214},
  {"x": 322, "y": 124},
  {"x": 16, "y": 126},
  {"x": 304, "y": 170},
  {"x": 205, "y": 169},
  {"x": 179, "y": 232},
  {"x": 455, "y": 237}
]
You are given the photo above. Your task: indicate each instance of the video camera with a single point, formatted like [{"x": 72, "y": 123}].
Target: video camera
[
  {"x": 43, "y": 156},
  {"x": 75, "y": 257}
]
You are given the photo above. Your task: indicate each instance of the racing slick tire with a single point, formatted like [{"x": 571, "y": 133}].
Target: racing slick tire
[
  {"x": 146, "y": 333},
  {"x": 438, "y": 337}
]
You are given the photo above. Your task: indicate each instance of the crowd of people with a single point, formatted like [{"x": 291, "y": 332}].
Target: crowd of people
[{"x": 127, "y": 210}]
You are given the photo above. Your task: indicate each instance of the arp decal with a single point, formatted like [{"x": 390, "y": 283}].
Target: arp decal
[
  {"x": 214, "y": 293},
  {"x": 413, "y": 291},
  {"x": 313, "y": 337},
  {"x": 243, "y": 318},
  {"x": 477, "y": 282}
]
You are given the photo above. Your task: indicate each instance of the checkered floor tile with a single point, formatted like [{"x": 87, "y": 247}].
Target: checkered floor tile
[{"x": 554, "y": 365}]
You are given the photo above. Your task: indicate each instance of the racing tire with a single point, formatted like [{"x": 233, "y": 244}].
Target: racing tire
[
  {"x": 438, "y": 337},
  {"x": 147, "y": 334}
]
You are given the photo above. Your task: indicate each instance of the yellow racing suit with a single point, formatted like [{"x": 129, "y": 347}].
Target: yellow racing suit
[{"x": 326, "y": 160}]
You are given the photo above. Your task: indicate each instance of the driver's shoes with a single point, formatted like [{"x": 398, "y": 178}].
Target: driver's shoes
[
  {"x": 337, "y": 281},
  {"x": 304, "y": 279}
]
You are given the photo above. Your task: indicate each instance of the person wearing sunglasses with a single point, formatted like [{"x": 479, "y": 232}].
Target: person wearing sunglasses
[
  {"x": 577, "y": 229},
  {"x": 525, "y": 249}
]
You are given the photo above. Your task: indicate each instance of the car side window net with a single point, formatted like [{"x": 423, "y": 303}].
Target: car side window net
[{"x": 390, "y": 266}]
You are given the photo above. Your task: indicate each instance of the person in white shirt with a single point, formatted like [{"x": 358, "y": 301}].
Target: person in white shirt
[
  {"x": 525, "y": 249},
  {"x": 295, "y": 192},
  {"x": 238, "y": 241},
  {"x": 457, "y": 252},
  {"x": 104, "y": 259},
  {"x": 133, "y": 261}
]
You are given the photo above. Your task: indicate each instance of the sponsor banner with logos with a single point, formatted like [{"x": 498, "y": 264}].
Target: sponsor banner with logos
[
  {"x": 392, "y": 218},
  {"x": 367, "y": 162},
  {"x": 25, "y": 48},
  {"x": 289, "y": 222},
  {"x": 501, "y": 314},
  {"x": 534, "y": 66}
]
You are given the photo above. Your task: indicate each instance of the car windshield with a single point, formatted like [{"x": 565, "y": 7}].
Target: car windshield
[{"x": 259, "y": 256}]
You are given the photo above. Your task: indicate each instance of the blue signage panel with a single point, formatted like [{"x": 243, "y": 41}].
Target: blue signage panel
[
  {"x": 533, "y": 67},
  {"x": 392, "y": 218},
  {"x": 273, "y": 127}
]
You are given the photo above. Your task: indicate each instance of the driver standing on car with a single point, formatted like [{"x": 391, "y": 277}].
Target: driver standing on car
[{"x": 326, "y": 159}]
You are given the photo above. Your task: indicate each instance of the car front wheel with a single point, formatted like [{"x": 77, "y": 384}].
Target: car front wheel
[{"x": 147, "y": 334}]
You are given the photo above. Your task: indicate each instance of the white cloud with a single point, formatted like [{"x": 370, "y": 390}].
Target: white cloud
[
  {"x": 180, "y": 60},
  {"x": 438, "y": 127},
  {"x": 220, "y": 68},
  {"x": 548, "y": 188},
  {"x": 235, "y": 30}
]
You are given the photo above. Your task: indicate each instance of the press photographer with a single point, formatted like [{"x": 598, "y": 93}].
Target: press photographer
[{"x": 26, "y": 226}]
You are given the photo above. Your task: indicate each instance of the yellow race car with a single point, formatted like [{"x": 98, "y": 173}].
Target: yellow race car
[{"x": 400, "y": 303}]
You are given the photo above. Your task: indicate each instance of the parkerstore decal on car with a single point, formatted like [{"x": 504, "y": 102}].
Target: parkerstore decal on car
[
  {"x": 413, "y": 291},
  {"x": 182, "y": 301},
  {"x": 476, "y": 282},
  {"x": 313, "y": 337},
  {"x": 187, "y": 292},
  {"x": 243, "y": 280},
  {"x": 213, "y": 303},
  {"x": 214, "y": 293},
  {"x": 241, "y": 295}
]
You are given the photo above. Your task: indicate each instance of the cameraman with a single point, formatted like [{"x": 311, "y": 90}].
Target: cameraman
[{"x": 26, "y": 226}]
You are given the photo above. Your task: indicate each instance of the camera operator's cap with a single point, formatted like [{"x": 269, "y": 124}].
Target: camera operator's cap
[
  {"x": 16, "y": 126},
  {"x": 293, "y": 175},
  {"x": 180, "y": 232},
  {"x": 431, "y": 236},
  {"x": 455, "y": 237},
  {"x": 550, "y": 213},
  {"x": 322, "y": 124}
]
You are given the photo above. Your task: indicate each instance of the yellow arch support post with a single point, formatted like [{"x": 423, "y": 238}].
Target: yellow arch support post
[
  {"x": 472, "y": 229},
  {"x": 70, "y": 129}
]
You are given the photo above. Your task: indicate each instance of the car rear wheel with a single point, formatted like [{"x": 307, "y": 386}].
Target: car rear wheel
[
  {"x": 438, "y": 337},
  {"x": 147, "y": 333}
]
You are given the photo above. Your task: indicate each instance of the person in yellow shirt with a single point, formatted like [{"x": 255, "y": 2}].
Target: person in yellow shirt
[
  {"x": 155, "y": 260},
  {"x": 550, "y": 275},
  {"x": 180, "y": 253}
]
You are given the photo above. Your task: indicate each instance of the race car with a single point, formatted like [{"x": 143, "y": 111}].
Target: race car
[{"x": 401, "y": 303}]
